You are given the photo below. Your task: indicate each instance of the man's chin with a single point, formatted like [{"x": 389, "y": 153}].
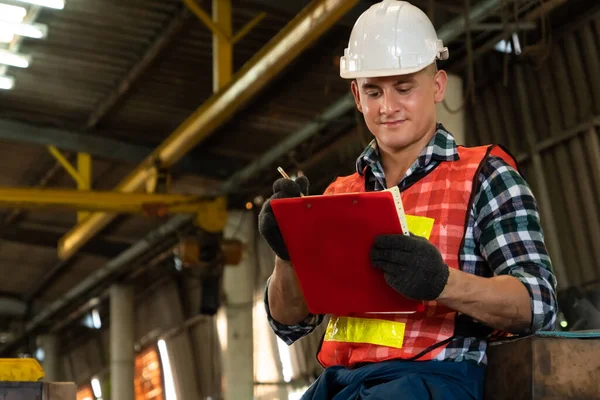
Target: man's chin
[{"x": 394, "y": 146}]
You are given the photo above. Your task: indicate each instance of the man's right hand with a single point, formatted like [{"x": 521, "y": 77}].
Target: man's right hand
[{"x": 267, "y": 224}]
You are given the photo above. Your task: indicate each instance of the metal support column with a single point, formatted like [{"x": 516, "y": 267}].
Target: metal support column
[
  {"x": 238, "y": 281},
  {"x": 121, "y": 342},
  {"x": 51, "y": 363},
  {"x": 82, "y": 174},
  {"x": 551, "y": 230},
  {"x": 452, "y": 114},
  {"x": 222, "y": 44},
  {"x": 84, "y": 168}
]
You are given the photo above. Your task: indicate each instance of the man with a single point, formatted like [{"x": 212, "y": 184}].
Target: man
[{"x": 485, "y": 267}]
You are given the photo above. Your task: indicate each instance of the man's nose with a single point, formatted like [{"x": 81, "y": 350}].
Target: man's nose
[{"x": 389, "y": 104}]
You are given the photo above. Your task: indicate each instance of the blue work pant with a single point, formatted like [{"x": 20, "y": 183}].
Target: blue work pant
[{"x": 427, "y": 380}]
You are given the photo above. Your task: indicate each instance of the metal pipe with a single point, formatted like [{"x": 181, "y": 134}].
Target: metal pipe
[
  {"x": 300, "y": 33},
  {"x": 513, "y": 27}
]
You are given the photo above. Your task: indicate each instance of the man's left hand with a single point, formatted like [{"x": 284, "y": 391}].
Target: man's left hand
[{"x": 412, "y": 265}]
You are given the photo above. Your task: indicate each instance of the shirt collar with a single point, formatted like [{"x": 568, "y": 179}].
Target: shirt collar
[{"x": 441, "y": 147}]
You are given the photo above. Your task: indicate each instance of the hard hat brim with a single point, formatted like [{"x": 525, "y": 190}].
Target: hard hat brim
[{"x": 382, "y": 72}]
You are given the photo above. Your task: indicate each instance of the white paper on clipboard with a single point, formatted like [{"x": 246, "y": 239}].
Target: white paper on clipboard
[{"x": 399, "y": 209}]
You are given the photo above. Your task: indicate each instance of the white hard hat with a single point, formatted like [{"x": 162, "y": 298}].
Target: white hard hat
[{"x": 391, "y": 38}]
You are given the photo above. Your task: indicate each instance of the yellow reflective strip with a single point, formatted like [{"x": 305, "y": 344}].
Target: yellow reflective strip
[
  {"x": 420, "y": 226},
  {"x": 366, "y": 330}
]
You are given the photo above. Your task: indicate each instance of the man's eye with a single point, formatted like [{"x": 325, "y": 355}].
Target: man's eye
[
  {"x": 373, "y": 94},
  {"x": 403, "y": 90}
]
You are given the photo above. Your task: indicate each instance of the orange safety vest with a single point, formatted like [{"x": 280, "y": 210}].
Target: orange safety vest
[{"x": 446, "y": 195}]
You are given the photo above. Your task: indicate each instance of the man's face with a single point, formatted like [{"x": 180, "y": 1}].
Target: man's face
[{"x": 400, "y": 110}]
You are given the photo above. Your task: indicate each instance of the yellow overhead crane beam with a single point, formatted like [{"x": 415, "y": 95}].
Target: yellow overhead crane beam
[
  {"x": 106, "y": 201},
  {"x": 212, "y": 214}
]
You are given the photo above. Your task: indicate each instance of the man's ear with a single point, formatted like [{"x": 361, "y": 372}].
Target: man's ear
[
  {"x": 356, "y": 94},
  {"x": 440, "y": 82}
]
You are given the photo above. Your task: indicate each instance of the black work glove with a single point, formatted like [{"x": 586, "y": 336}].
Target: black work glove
[
  {"x": 412, "y": 265},
  {"x": 267, "y": 224}
]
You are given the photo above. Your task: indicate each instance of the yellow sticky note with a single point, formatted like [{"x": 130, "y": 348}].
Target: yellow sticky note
[{"x": 420, "y": 226}]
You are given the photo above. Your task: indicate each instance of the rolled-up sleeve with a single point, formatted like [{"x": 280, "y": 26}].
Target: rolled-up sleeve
[
  {"x": 511, "y": 238},
  {"x": 291, "y": 333}
]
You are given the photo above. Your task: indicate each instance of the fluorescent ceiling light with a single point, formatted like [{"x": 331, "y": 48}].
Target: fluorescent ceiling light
[
  {"x": 57, "y": 4},
  {"x": 35, "y": 31},
  {"x": 286, "y": 361},
  {"x": 6, "y": 37},
  {"x": 505, "y": 46},
  {"x": 97, "y": 388},
  {"x": 7, "y": 82},
  {"x": 14, "y": 59},
  {"x": 39, "y": 354},
  {"x": 96, "y": 321},
  {"x": 12, "y": 13},
  {"x": 517, "y": 44},
  {"x": 170, "y": 393}
]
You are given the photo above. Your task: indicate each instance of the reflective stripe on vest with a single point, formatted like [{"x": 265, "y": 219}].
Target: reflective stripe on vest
[{"x": 444, "y": 195}]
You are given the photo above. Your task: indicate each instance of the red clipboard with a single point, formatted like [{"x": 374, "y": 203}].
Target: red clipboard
[{"x": 329, "y": 239}]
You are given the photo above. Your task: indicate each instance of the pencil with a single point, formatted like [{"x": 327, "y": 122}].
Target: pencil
[{"x": 283, "y": 173}]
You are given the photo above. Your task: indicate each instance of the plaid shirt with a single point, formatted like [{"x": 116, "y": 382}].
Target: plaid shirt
[{"x": 503, "y": 237}]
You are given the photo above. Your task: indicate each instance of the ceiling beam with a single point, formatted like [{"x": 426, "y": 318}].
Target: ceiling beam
[
  {"x": 49, "y": 238},
  {"x": 213, "y": 166},
  {"x": 512, "y": 27}
]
